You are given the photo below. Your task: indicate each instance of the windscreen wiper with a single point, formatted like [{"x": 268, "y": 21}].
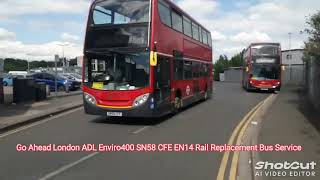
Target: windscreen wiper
[{"x": 99, "y": 51}]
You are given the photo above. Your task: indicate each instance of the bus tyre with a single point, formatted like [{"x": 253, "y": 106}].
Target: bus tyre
[
  {"x": 61, "y": 89},
  {"x": 177, "y": 104},
  {"x": 247, "y": 87},
  {"x": 206, "y": 95}
]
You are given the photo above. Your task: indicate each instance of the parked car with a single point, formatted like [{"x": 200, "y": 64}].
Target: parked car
[
  {"x": 7, "y": 80},
  {"x": 72, "y": 76},
  {"x": 62, "y": 83},
  {"x": 18, "y": 73}
]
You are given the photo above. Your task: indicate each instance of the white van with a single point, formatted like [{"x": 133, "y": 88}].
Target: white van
[{"x": 18, "y": 73}]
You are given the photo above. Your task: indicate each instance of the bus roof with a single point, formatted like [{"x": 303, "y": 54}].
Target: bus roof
[{"x": 264, "y": 43}]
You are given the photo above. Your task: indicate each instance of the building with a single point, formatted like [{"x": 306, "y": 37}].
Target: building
[
  {"x": 292, "y": 57},
  {"x": 294, "y": 73},
  {"x": 79, "y": 61},
  {"x": 233, "y": 74}
]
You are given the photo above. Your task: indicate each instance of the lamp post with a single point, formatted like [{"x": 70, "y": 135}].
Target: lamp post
[
  {"x": 56, "y": 58},
  {"x": 28, "y": 60},
  {"x": 63, "y": 61},
  {"x": 290, "y": 55}
]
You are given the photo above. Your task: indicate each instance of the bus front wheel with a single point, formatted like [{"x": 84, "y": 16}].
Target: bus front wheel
[
  {"x": 177, "y": 104},
  {"x": 61, "y": 89},
  {"x": 206, "y": 94}
]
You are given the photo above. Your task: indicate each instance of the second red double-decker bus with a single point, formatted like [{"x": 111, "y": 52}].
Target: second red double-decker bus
[
  {"x": 263, "y": 67},
  {"x": 144, "y": 58}
]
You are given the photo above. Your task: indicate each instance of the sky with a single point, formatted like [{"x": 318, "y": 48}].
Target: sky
[{"x": 38, "y": 29}]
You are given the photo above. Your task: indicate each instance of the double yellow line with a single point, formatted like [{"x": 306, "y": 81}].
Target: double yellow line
[{"x": 238, "y": 133}]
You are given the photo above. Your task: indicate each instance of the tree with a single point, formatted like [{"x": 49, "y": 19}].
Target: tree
[
  {"x": 223, "y": 63},
  {"x": 312, "y": 46},
  {"x": 220, "y": 65},
  {"x": 237, "y": 60},
  {"x": 11, "y": 64}
]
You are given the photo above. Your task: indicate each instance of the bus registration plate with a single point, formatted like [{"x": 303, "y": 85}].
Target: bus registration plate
[
  {"x": 114, "y": 114},
  {"x": 264, "y": 89}
]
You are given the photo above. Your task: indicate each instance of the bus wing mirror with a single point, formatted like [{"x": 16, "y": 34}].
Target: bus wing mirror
[{"x": 153, "y": 58}]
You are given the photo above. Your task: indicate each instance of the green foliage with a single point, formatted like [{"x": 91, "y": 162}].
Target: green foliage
[
  {"x": 223, "y": 63},
  {"x": 237, "y": 60},
  {"x": 11, "y": 64},
  {"x": 15, "y": 65},
  {"x": 312, "y": 46},
  {"x": 220, "y": 65},
  {"x": 43, "y": 64}
]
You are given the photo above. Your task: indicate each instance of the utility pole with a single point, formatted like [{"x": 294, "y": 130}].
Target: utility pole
[
  {"x": 290, "y": 55},
  {"x": 63, "y": 57},
  {"x": 290, "y": 41},
  {"x": 56, "y": 59},
  {"x": 28, "y": 61}
]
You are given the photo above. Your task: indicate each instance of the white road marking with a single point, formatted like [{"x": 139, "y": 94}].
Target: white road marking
[
  {"x": 66, "y": 167},
  {"x": 38, "y": 123},
  {"x": 141, "y": 129}
]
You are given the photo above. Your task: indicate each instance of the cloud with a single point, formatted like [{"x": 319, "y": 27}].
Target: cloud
[
  {"x": 69, "y": 37},
  {"x": 246, "y": 38},
  {"x": 7, "y": 35},
  {"x": 217, "y": 36},
  {"x": 11, "y": 48},
  {"x": 13, "y": 8},
  {"x": 199, "y": 8}
]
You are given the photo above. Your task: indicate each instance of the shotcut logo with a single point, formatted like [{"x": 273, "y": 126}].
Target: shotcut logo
[{"x": 285, "y": 169}]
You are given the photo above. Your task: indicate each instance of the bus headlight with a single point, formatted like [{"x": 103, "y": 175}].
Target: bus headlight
[
  {"x": 90, "y": 99},
  {"x": 141, "y": 100}
]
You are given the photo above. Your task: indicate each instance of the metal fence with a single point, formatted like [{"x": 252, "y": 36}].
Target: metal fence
[
  {"x": 294, "y": 74},
  {"x": 233, "y": 75},
  {"x": 313, "y": 81}
]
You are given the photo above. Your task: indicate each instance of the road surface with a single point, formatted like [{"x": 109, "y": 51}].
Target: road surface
[{"x": 210, "y": 122}]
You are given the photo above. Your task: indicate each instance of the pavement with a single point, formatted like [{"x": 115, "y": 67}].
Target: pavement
[
  {"x": 290, "y": 120},
  {"x": 209, "y": 122},
  {"x": 8, "y": 94},
  {"x": 14, "y": 115},
  {"x": 64, "y": 94}
]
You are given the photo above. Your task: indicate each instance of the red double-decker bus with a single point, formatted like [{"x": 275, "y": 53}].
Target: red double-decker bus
[
  {"x": 263, "y": 67},
  {"x": 144, "y": 58}
]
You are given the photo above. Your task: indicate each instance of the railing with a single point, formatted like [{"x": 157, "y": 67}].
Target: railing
[
  {"x": 313, "y": 81},
  {"x": 294, "y": 74}
]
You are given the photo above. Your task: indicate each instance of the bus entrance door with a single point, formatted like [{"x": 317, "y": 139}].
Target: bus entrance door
[{"x": 162, "y": 84}]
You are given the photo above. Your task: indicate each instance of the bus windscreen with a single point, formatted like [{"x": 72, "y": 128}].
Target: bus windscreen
[
  {"x": 266, "y": 72},
  {"x": 265, "y": 50},
  {"x": 118, "y": 71}
]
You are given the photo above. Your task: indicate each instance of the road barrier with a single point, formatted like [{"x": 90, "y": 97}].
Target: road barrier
[
  {"x": 24, "y": 90},
  {"x": 41, "y": 91}
]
